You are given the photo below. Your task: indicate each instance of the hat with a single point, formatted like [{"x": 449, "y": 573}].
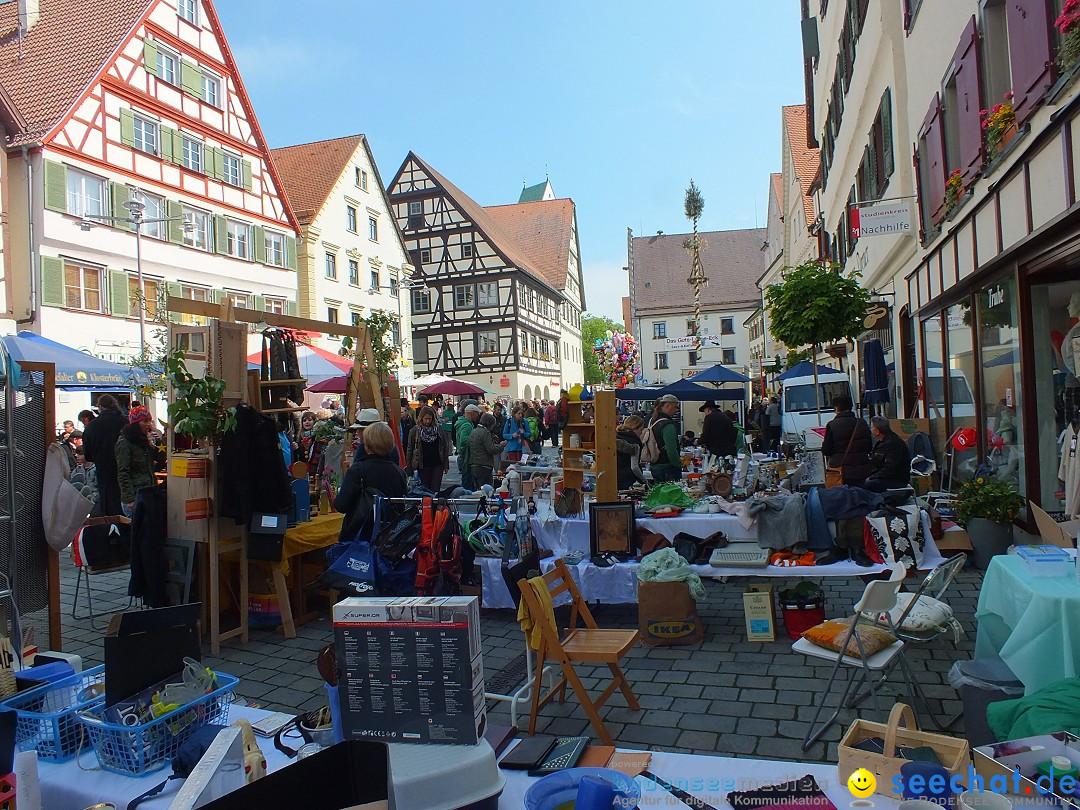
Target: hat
[
  {"x": 139, "y": 414},
  {"x": 666, "y": 398},
  {"x": 473, "y": 409},
  {"x": 366, "y": 418},
  {"x": 708, "y": 404}
]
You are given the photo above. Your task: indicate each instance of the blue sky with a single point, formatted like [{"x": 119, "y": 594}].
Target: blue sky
[{"x": 620, "y": 102}]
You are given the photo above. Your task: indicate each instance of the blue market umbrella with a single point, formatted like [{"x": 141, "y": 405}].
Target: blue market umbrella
[
  {"x": 75, "y": 370},
  {"x": 805, "y": 369},
  {"x": 718, "y": 374},
  {"x": 877, "y": 378}
]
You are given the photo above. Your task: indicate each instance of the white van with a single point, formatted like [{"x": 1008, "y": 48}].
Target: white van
[
  {"x": 802, "y": 410},
  {"x": 963, "y": 401}
]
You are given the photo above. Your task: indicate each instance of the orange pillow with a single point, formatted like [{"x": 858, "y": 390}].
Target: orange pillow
[{"x": 831, "y": 634}]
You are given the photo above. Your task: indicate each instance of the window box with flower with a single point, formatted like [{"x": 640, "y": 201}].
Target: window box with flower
[
  {"x": 1068, "y": 25},
  {"x": 955, "y": 192},
  {"x": 999, "y": 126}
]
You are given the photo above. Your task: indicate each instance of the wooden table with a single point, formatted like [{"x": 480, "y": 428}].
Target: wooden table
[{"x": 318, "y": 533}]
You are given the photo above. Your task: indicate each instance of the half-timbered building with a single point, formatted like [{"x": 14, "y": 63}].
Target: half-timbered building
[
  {"x": 134, "y": 100},
  {"x": 485, "y": 312}
]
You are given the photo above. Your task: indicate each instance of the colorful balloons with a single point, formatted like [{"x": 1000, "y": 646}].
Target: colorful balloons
[{"x": 618, "y": 358}]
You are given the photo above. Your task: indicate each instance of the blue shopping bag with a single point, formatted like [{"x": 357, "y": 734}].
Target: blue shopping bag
[{"x": 352, "y": 569}]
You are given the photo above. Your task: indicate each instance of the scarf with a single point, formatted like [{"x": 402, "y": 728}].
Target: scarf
[{"x": 428, "y": 434}]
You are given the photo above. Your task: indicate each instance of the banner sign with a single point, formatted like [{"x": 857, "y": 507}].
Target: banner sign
[
  {"x": 707, "y": 342},
  {"x": 884, "y": 219}
]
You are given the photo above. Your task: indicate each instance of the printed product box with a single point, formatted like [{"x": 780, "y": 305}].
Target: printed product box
[
  {"x": 410, "y": 669},
  {"x": 758, "y": 607}
]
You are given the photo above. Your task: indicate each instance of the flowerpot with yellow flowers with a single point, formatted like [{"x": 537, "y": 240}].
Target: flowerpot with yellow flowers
[
  {"x": 986, "y": 507},
  {"x": 954, "y": 191},
  {"x": 999, "y": 126}
]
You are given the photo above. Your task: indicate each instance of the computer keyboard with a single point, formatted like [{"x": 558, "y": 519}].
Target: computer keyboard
[{"x": 757, "y": 558}]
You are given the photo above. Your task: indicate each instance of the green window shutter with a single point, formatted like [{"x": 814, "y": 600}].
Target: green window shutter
[
  {"x": 177, "y": 147},
  {"x": 127, "y": 127},
  {"x": 290, "y": 307},
  {"x": 259, "y": 251},
  {"x": 119, "y": 194},
  {"x": 887, "y": 133},
  {"x": 150, "y": 56},
  {"x": 247, "y": 174},
  {"x": 166, "y": 145},
  {"x": 191, "y": 78},
  {"x": 221, "y": 237},
  {"x": 175, "y": 212},
  {"x": 55, "y": 187},
  {"x": 175, "y": 289},
  {"x": 52, "y": 281},
  {"x": 290, "y": 252},
  {"x": 217, "y": 296},
  {"x": 120, "y": 303},
  {"x": 210, "y": 156},
  {"x": 260, "y": 303},
  {"x": 219, "y": 164}
]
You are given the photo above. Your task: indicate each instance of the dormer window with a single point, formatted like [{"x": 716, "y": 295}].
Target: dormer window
[{"x": 189, "y": 10}]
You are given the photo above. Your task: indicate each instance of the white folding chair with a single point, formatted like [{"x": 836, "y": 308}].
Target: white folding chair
[
  {"x": 878, "y": 598},
  {"x": 927, "y": 598}
]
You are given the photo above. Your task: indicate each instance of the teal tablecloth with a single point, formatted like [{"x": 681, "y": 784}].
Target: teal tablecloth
[{"x": 1030, "y": 623}]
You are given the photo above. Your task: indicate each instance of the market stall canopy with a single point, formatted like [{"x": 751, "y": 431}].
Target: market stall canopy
[
  {"x": 718, "y": 374},
  {"x": 429, "y": 379},
  {"x": 685, "y": 390},
  {"x": 75, "y": 370},
  {"x": 806, "y": 369},
  {"x": 316, "y": 365},
  {"x": 455, "y": 388},
  {"x": 334, "y": 385}
]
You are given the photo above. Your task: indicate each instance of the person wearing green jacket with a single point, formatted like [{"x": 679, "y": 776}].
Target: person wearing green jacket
[
  {"x": 135, "y": 457},
  {"x": 462, "y": 429},
  {"x": 669, "y": 466},
  {"x": 484, "y": 451}
]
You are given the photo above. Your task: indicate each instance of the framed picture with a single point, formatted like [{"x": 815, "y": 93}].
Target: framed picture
[{"x": 611, "y": 528}]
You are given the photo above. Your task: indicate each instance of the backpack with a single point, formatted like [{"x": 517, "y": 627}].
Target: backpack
[
  {"x": 651, "y": 442},
  {"x": 438, "y": 554}
]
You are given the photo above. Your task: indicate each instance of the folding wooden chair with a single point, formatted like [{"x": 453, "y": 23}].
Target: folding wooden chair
[{"x": 580, "y": 645}]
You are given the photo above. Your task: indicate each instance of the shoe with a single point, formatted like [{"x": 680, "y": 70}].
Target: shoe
[
  {"x": 860, "y": 557},
  {"x": 833, "y": 555}
]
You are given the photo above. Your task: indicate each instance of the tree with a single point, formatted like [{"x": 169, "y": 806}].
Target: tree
[
  {"x": 592, "y": 330},
  {"x": 816, "y": 304}
]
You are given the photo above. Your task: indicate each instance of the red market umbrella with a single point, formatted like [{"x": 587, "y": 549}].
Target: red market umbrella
[
  {"x": 454, "y": 388},
  {"x": 334, "y": 385}
]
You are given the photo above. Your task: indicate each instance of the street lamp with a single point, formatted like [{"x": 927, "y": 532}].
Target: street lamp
[{"x": 136, "y": 220}]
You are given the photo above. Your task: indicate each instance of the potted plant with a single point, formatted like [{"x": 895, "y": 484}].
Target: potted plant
[
  {"x": 999, "y": 126},
  {"x": 197, "y": 410},
  {"x": 954, "y": 191},
  {"x": 986, "y": 507},
  {"x": 1068, "y": 25}
]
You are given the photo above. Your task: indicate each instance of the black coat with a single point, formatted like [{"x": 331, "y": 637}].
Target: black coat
[
  {"x": 627, "y": 446},
  {"x": 370, "y": 472},
  {"x": 718, "y": 434},
  {"x": 99, "y": 443},
  {"x": 253, "y": 475},
  {"x": 856, "y": 461},
  {"x": 891, "y": 460}
]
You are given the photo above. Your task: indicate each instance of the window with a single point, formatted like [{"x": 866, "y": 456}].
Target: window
[
  {"x": 148, "y": 298},
  {"x": 416, "y": 208},
  {"x": 350, "y": 218},
  {"x": 363, "y": 180},
  {"x": 275, "y": 249},
  {"x": 232, "y": 171},
  {"x": 533, "y": 346},
  {"x": 331, "y": 266},
  {"x": 425, "y": 256},
  {"x": 659, "y": 330},
  {"x": 373, "y": 229},
  {"x": 487, "y": 342},
  {"x": 193, "y": 154},
  {"x": 355, "y": 318},
  {"x": 82, "y": 287},
  {"x": 466, "y": 251},
  {"x": 487, "y": 294},
  {"x": 395, "y": 287},
  {"x": 168, "y": 65},
  {"x": 238, "y": 237},
  {"x": 660, "y": 360},
  {"x": 464, "y": 296},
  {"x": 421, "y": 300},
  {"x": 276, "y": 305},
  {"x": 332, "y": 315},
  {"x": 357, "y": 170},
  {"x": 155, "y": 209},
  {"x": 85, "y": 194},
  {"x": 241, "y": 300},
  {"x": 524, "y": 344},
  {"x": 691, "y": 327},
  {"x": 375, "y": 281},
  {"x": 878, "y": 160},
  {"x": 211, "y": 89},
  {"x": 199, "y": 236},
  {"x": 146, "y": 135},
  {"x": 727, "y": 326},
  {"x": 354, "y": 272},
  {"x": 189, "y": 10},
  {"x": 194, "y": 293},
  {"x": 911, "y": 8},
  {"x": 728, "y": 357},
  {"x": 395, "y": 333},
  {"x": 692, "y": 358}
]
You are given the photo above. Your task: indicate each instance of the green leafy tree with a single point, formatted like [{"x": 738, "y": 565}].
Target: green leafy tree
[
  {"x": 592, "y": 329},
  {"x": 794, "y": 357},
  {"x": 383, "y": 349}
]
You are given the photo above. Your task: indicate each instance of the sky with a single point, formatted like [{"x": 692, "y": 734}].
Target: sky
[{"x": 620, "y": 103}]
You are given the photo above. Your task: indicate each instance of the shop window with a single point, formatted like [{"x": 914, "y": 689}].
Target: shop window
[
  {"x": 999, "y": 364},
  {"x": 960, "y": 379},
  {"x": 933, "y": 384}
]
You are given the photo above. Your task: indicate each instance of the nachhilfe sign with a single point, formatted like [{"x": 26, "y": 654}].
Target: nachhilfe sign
[{"x": 881, "y": 220}]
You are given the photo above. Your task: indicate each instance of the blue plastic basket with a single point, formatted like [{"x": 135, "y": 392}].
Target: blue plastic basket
[
  {"x": 47, "y": 715},
  {"x": 146, "y": 747}
]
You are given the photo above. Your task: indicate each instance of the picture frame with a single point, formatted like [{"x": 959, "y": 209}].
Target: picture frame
[{"x": 611, "y": 528}]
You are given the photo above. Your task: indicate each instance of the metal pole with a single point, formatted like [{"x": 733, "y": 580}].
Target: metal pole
[{"x": 137, "y": 221}]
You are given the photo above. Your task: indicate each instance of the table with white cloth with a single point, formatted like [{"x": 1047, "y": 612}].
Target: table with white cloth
[{"x": 617, "y": 584}]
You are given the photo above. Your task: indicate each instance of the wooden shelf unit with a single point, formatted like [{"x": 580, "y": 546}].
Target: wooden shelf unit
[{"x": 601, "y": 435}]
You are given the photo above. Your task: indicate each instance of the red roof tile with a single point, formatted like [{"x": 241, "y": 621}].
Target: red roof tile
[
  {"x": 806, "y": 161},
  {"x": 777, "y": 181},
  {"x": 543, "y": 230},
  {"x": 309, "y": 172}
]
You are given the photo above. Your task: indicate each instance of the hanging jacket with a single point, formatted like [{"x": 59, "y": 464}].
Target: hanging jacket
[
  {"x": 253, "y": 475},
  {"x": 148, "y": 534}
]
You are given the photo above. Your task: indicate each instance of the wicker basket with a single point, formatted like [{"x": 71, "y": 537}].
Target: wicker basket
[{"x": 953, "y": 753}]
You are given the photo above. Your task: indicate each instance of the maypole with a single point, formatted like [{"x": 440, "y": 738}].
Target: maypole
[{"x": 693, "y": 206}]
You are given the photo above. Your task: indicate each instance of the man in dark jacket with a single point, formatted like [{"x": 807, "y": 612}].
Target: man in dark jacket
[
  {"x": 890, "y": 457},
  {"x": 847, "y": 443},
  {"x": 718, "y": 433},
  {"x": 99, "y": 442}
]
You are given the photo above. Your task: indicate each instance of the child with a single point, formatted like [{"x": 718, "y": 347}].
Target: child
[{"x": 84, "y": 476}]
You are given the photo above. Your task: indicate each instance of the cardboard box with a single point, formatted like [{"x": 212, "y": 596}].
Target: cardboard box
[
  {"x": 906, "y": 428},
  {"x": 954, "y": 538},
  {"x": 758, "y": 607},
  {"x": 410, "y": 669},
  {"x": 1000, "y": 762}
]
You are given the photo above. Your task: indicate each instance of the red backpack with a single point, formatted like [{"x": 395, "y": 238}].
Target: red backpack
[{"x": 438, "y": 554}]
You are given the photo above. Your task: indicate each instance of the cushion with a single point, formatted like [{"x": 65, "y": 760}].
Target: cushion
[
  {"x": 928, "y": 613},
  {"x": 831, "y": 634}
]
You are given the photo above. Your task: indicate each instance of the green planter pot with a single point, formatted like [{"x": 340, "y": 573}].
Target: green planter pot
[{"x": 988, "y": 539}]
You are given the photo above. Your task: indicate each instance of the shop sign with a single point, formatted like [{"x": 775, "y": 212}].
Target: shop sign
[
  {"x": 554, "y": 383},
  {"x": 877, "y": 315},
  {"x": 504, "y": 381},
  {"x": 995, "y": 296},
  {"x": 707, "y": 342},
  {"x": 884, "y": 219}
]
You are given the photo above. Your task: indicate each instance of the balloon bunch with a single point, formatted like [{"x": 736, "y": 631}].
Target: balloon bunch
[{"x": 618, "y": 357}]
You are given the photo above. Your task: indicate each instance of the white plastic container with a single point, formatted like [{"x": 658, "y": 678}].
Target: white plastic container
[{"x": 1045, "y": 560}]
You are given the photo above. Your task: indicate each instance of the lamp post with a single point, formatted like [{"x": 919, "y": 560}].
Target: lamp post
[{"x": 136, "y": 220}]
